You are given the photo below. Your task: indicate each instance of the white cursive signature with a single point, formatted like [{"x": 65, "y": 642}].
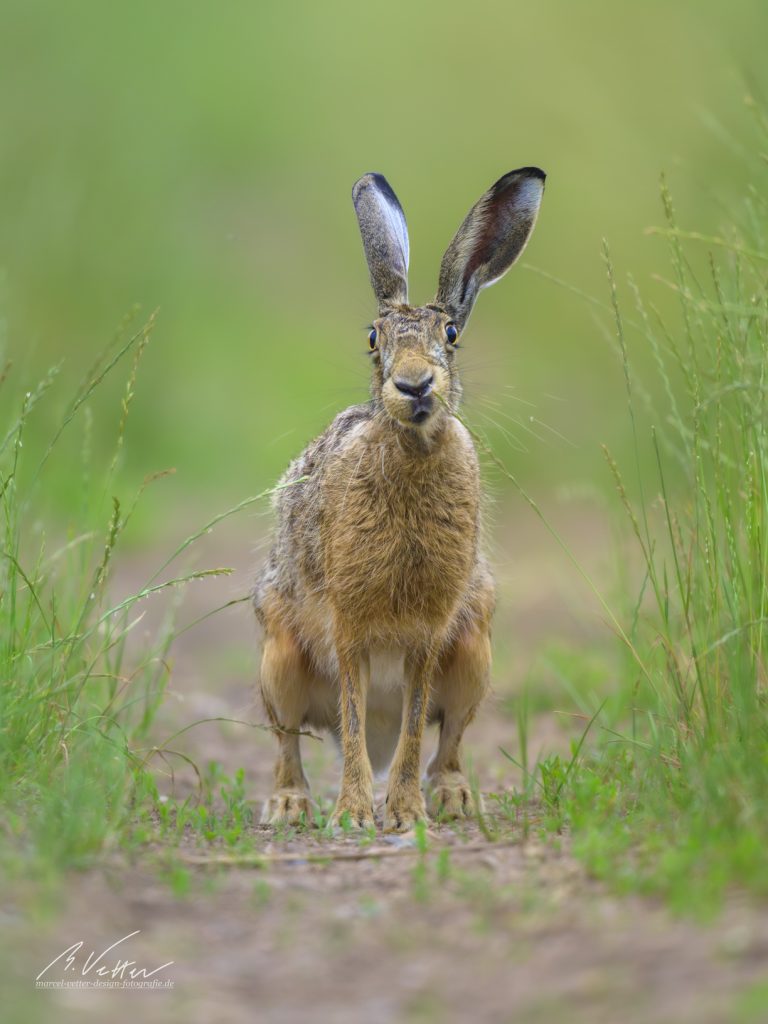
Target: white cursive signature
[{"x": 121, "y": 969}]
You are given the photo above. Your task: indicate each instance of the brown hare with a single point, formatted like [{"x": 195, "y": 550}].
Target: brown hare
[{"x": 376, "y": 600}]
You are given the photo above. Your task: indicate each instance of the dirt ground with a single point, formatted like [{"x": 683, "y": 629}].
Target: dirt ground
[{"x": 326, "y": 929}]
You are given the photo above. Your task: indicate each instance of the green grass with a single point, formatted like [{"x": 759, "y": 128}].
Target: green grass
[
  {"x": 670, "y": 793},
  {"x": 78, "y": 696}
]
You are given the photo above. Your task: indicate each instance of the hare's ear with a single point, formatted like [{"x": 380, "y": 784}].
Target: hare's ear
[
  {"x": 385, "y": 238},
  {"x": 492, "y": 236}
]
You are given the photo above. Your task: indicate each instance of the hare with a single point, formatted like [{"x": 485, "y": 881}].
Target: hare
[{"x": 376, "y": 600}]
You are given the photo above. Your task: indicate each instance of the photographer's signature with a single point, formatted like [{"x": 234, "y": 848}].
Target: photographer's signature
[{"x": 100, "y": 966}]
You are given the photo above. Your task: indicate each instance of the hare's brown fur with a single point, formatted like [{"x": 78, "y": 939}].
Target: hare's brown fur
[{"x": 376, "y": 601}]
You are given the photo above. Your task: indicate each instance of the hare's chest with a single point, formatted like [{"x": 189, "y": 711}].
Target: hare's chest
[
  {"x": 427, "y": 529},
  {"x": 402, "y": 545}
]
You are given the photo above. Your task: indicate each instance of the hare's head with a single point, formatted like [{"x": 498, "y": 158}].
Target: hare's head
[{"x": 413, "y": 347}]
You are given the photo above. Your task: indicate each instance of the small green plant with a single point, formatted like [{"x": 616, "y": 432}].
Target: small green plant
[
  {"x": 180, "y": 881},
  {"x": 219, "y": 814},
  {"x": 420, "y": 875}
]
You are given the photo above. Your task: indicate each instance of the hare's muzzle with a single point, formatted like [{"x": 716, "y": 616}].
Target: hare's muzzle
[{"x": 419, "y": 394}]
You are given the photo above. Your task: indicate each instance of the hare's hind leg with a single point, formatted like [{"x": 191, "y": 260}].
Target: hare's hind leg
[
  {"x": 286, "y": 691},
  {"x": 460, "y": 684}
]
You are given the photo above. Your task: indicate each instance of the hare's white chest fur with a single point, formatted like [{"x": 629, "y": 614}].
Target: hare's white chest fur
[{"x": 385, "y": 704}]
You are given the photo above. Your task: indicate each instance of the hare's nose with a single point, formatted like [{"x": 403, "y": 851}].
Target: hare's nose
[{"x": 415, "y": 389}]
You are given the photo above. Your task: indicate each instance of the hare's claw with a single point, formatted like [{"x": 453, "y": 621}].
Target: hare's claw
[
  {"x": 287, "y": 807},
  {"x": 450, "y": 797},
  {"x": 403, "y": 810},
  {"x": 353, "y": 813}
]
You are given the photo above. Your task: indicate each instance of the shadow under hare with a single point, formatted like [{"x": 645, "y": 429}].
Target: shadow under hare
[{"x": 376, "y": 600}]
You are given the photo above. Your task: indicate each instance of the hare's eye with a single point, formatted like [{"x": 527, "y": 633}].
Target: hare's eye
[
  {"x": 372, "y": 338},
  {"x": 451, "y": 333}
]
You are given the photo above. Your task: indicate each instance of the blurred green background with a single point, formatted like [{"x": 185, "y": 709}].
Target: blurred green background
[{"x": 199, "y": 158}]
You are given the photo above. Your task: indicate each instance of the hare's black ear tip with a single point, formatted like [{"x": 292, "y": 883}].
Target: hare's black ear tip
[
  {"x": 525, "y": 176},
  {"x": 534, "y": 173}
]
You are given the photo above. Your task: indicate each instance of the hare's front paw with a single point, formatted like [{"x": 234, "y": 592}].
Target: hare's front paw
[
  {"x": 404, "y": 807},
  {"x": 287, "y": 807},
  {"x": 450, "y": 797},
  {"x": 353, "y": 810}
]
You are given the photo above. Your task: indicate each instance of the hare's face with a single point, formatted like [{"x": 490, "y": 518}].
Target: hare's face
[{"x": 414, "y": 377}]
